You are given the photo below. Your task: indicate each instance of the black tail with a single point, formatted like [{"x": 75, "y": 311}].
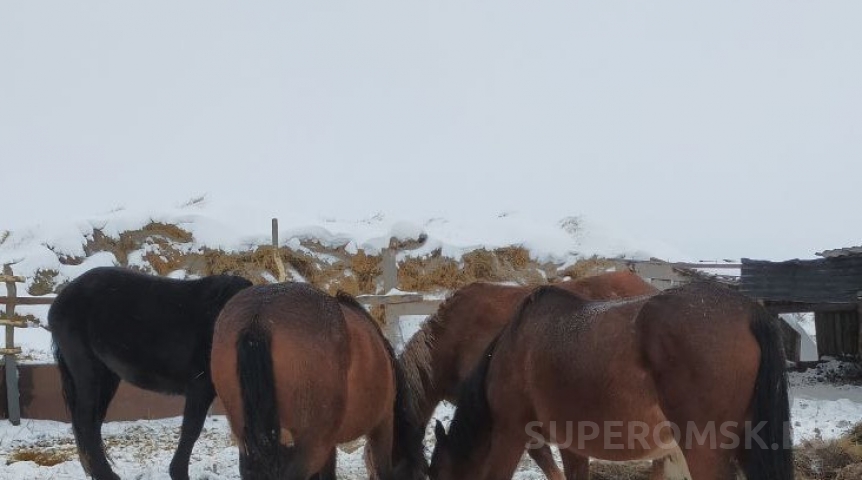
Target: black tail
[
  {"x": 773, "y": 458},
  {"x": 261, "y": 436},
  {"x": 66, "y": 379},
  {"x": 67, "y": 382},
  {"x": 473, "y": 420}
]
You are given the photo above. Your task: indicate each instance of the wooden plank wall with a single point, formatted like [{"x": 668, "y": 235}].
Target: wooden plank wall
[
  {"x": 42, "y": 398},
  {"x": 837, "y": 333}
]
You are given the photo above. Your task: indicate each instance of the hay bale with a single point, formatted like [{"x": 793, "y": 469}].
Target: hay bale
[
  {"x": 587, "y": 267},
  {"x": 825, "y": 459},
  {"x": 158, "y": 233},
  {"x": 44, "y": 282},
  {"x": 516, "y": 257},
  {"x": 366, "y": 268},
  {"x": 43, "y": 456}
]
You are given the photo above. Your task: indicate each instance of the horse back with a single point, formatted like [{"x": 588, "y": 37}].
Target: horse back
[
  {"x": 561, "y": 347},
  {"x": 154, "y": 332},
  {"x": 609, "y": 286},
  {"x": 107, "y": 295}
]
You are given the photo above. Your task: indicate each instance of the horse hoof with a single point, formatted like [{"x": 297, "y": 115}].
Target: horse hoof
[
  {"x": 108, "y": 476},
  {"x": 177, "y": 474}
]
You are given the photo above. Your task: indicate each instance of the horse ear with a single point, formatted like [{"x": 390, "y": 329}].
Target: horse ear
[{"x": 440, "y": 432}]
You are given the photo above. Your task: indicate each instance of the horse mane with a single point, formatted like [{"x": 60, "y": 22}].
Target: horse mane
[
  {"x": 416, "y": 358},
  {"x": 409, "y": 433},
  {"x": 415, "y": 361}
]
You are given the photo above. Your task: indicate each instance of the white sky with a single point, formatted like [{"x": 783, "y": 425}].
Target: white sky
[{"x": 728, "y": 130}]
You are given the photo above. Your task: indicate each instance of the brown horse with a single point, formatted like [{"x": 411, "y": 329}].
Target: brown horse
[
  {"x": 699, "y": 367},
  {"x": 300, "y": 372},
  {"x": 440, "y": 357}
]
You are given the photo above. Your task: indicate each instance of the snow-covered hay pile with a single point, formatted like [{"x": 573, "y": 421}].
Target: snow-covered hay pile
[{"x": 202, "y": 237}]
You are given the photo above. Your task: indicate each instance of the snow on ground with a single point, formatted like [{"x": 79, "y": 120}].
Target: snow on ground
[
  {"x": 143, "y": 449},
  {"x": 825, "y": 411},
  {"x": 822, "y": 406}
]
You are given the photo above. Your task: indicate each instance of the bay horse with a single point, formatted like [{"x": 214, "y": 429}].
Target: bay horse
[
  {"x": 686, "y": 368},
  {"x": 439, "y": 358},
  {"x": 299, "y": 372},
  {"x": 113, "y": 324}
]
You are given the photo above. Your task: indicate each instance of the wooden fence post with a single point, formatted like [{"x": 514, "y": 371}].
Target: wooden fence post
[
  {"x": 279, "y": 264},
  {"x": 10, "y": 360},
  {"x": 392, "y": 325}
]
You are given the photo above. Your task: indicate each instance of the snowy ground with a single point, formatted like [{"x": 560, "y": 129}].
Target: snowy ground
[
  {"x": 823, "y": 406},
  {"x": 142, "y": 449}
]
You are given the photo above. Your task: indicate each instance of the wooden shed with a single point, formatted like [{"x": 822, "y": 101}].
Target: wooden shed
[{"x": 831, "y": 287}]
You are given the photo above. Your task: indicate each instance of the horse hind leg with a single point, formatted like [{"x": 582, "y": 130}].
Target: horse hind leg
[
  {"x": 576, "y": 466},
  {"x": 710, "y": 463},
  {"x": 88, "y": 387},
  {"x": 199, "y": 396},
  {"x": 507, "y": 448},
  {"x": 545, "y": 460},
  {"x": 328, "y": 471},
  {"x": 290, "y": 463},
  {"x": 378, "y": 451}
]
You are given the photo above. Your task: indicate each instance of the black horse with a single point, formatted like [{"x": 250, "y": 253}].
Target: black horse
[{"x": 156, "y": 333}]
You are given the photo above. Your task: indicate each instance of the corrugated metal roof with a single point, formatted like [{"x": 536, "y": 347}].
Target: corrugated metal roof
[
  {"x": 827, "y": 280},
  {"x": 840, "y": 252}
]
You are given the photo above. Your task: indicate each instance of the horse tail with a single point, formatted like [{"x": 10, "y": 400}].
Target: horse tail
[
  {"x": 773, "y": 458},
  {"x": 67, "y": 382},
  {"x": 262, "y": 431},
  {"x": 473, "y": 415}
]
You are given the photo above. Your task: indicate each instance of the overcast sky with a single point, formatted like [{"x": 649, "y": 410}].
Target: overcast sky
[{"x": 727, "y": 130}]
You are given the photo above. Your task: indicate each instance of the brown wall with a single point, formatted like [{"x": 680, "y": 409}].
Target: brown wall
[{"x": 42, "y": 398}]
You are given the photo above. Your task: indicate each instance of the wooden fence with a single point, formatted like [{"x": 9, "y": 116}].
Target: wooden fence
[
  {"x": 39, "y": 385},
  {"x": 10, "y": 351},
  {"x": 41, "y": 391}
]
